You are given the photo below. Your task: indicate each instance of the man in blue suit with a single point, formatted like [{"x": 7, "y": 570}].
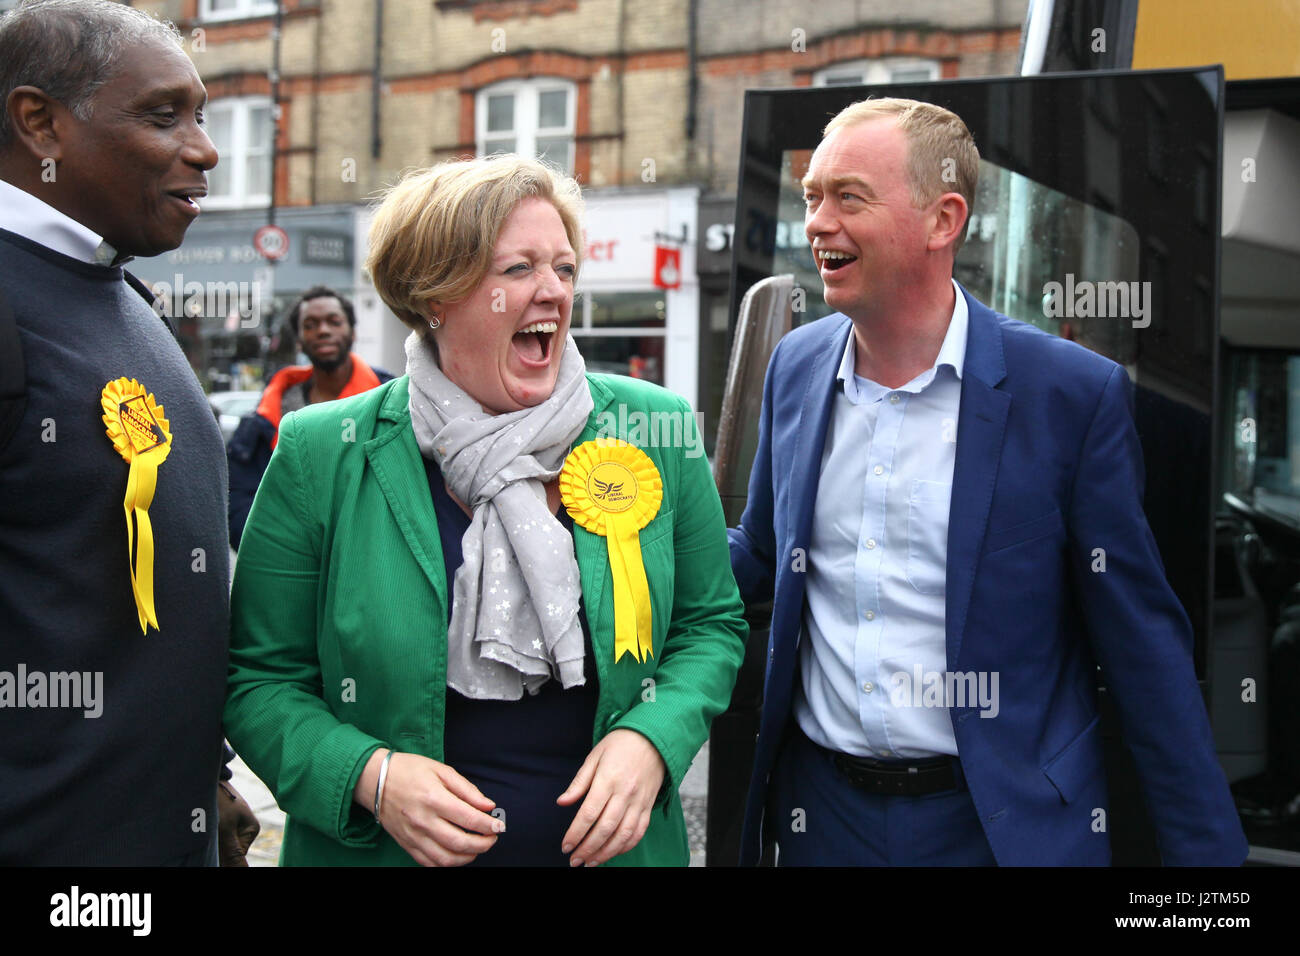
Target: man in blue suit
[{"x": 946, "y": 507}]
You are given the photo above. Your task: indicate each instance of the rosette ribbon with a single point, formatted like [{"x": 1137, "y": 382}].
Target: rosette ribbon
[
  {"x": 140, "y": 434},
  {"x": 613, "y": 489}
]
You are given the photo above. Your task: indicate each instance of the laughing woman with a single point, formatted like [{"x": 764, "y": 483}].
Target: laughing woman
[{"x": 465, "y": 630}]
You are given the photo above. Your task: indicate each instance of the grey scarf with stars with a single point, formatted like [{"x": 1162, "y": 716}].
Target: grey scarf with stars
[{"x": 514, "y": 618}]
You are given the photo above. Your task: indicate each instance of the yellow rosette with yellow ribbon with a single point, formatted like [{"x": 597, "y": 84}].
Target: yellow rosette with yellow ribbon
[
  {"x": 613, "y": 489},
  {"x": 140, "y": 434}
]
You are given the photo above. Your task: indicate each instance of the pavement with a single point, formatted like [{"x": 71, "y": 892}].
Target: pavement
[
  {"x": 694, "y": 793},
  {"x": 265, "y": 850}
]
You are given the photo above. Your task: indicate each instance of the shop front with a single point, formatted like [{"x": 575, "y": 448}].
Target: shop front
[
  {"x": 228, "y": 301},
  {"x": 636, "y": 311}
]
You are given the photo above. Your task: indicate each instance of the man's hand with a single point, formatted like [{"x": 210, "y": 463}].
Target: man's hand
[
  {"x": 433, "y": 813},
  {"x": 237, "y": 826},
  {"x": 621, "y": 778}
]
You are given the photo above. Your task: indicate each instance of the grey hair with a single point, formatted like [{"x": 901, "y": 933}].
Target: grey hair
[{"x": 69, "y": 49}]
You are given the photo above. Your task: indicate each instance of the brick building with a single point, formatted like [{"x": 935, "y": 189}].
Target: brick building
[{"x": 641, "y": 101}]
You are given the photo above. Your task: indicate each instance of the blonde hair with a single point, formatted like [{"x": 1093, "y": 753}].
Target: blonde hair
[
  {"x": 941, "y": 153},
  {"x": 434, "y": 233}
]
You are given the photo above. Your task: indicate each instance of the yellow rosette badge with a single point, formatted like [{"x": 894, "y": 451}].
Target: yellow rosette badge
[
  {"x": 613, "y": 489},
  {"x": 139, "y": 433}
]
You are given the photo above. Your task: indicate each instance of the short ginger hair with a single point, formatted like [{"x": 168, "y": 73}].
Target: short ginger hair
[{"x": 434, "y": 234}]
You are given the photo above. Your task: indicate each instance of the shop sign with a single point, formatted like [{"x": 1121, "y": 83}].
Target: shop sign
[{"x": 326, "y": 249}]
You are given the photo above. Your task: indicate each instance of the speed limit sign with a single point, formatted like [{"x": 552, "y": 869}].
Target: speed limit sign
[{"x": 272, "y": 242}]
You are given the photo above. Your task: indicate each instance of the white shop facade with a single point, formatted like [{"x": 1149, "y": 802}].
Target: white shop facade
[{"x": 624, "y": 321}]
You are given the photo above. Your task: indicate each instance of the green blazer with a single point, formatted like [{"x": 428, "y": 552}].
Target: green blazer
[{"x": 339, "y": 618}]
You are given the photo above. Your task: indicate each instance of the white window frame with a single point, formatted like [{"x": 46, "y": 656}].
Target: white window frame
[
  {"x": 527, "y": 103},
  {"x": 873, "y": 72},
  {"x": 237, "y": 153},
  {"x": 245, "y": 10}
]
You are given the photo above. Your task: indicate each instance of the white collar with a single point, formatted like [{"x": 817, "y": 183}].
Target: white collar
[{"x": 34, "y": 219}]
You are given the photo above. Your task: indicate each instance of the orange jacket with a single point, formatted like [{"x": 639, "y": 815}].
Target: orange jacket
[{"x": 363, "y": 379}]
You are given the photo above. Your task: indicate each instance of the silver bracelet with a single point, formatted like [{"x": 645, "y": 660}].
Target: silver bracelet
[{"x": 379, "y": 790}]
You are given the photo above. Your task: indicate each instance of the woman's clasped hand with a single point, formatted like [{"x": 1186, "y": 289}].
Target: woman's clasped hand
[{"x": 442, "y": 819}]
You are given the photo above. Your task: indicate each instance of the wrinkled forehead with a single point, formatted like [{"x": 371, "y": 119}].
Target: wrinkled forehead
[
  {"x": 154, "y": 69},
  {"x": 861, "y": 152}
]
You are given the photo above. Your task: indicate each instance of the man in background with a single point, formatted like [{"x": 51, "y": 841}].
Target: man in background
[{"x": 325, "y": 324}]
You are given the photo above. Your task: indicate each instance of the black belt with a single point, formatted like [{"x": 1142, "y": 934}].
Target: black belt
[{"x": 908, "y": 778}]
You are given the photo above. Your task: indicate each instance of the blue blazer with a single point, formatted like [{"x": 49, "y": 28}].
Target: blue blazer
[{"x": 1048, "y": 470}]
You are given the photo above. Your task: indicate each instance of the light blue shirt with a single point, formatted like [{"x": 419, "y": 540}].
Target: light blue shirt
[{"x": 873, "y": 626}]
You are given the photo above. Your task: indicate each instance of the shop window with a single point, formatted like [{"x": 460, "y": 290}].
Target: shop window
[
  {"x": 622, "y": 333},
  {"x": 888, "y": 70},
  {"x": 637, "y": 309},
  {"x": 533, "y": 118},
  {"x": 235, "y": 9},
  {"x": 241, "y": 130}
]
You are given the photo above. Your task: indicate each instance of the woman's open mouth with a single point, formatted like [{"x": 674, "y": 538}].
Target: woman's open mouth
[{"x": 532, "y": 343}]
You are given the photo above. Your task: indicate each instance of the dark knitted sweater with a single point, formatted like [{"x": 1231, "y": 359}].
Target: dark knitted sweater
[{"x": 135, "y": 784}]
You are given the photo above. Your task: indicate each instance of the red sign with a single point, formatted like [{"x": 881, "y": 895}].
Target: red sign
[
  {"x": 272, "y": 242},
  {"x": 668, "y": 268}
]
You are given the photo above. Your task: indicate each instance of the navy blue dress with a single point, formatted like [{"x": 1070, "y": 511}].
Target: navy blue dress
[{"x": 522, "y": 754}]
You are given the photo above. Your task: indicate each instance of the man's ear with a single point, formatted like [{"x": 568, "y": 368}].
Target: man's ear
[
  {"x": 32, "y": 114},
  {"x": 949, "y": 217}
]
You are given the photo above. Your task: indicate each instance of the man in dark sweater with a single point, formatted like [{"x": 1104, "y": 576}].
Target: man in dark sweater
[{"x": 113, "y": 545}]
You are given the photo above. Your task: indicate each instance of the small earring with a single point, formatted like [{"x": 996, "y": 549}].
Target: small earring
[{"x": 435, "y": 323}]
